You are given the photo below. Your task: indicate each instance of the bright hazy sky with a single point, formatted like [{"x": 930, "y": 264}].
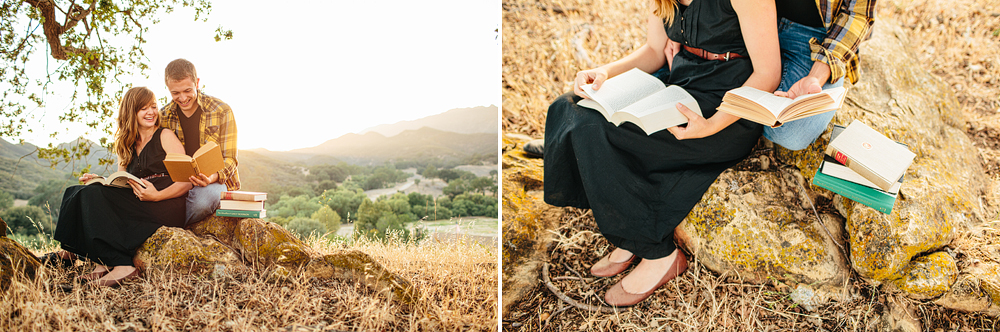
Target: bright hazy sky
[{"x": 301, "y": 73}]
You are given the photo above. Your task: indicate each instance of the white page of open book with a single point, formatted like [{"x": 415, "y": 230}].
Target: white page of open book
[
  {"x": 618, "y": 92},
  {"x": 659, "y": 110}
]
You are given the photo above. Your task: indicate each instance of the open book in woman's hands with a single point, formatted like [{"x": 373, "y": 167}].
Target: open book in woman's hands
[
  {"x": 640, "y": 98},
  {"x": 116, "y": 179},
  {"x": 767, "y": 109}
]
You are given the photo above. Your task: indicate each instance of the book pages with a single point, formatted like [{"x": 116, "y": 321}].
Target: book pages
[
  {"x": 659, "y": 110},
  {"x": 618, "y": 92}
]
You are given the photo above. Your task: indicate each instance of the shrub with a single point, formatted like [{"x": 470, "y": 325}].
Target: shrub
[{"x": 304, "y": 227}]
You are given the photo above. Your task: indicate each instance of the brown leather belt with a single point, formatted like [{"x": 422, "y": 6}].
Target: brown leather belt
[
  {"x": 159, "y": 175},
  {"x": 712, "y": 56}
]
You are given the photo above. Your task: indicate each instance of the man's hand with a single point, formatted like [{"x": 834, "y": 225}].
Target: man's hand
[
  {"x": 202, "y": 180},
  {"x": 697, "y": 126},
  {"x": 803, "y": 87},
  {"x": 148, "y": 194},
  {"x": 597, "y": 76}
]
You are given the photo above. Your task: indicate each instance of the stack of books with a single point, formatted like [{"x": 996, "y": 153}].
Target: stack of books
[
  {"x": 242, "y": 204},
  {"x": 863, "y": 165}
]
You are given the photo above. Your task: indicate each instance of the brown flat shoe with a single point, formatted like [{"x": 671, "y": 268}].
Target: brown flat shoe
[
  {"x": 617, "y": 296},
  {"x": 92, "y": 275},
  {"x": 115, "y": 282},
  {"x": 606, "y": 268}
]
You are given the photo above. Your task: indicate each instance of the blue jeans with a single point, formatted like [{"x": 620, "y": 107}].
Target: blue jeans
[
  {"x": 796, "y": 62},
  {"x": 202, "y": 202}
]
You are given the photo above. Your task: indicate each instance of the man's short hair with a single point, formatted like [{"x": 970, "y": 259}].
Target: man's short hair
[{"x": 180, "y": 69}]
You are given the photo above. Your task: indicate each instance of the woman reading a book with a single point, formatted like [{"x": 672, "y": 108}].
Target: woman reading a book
[
  {"x": 107, "y": 224},
  {"x": 640, "y": 187}
]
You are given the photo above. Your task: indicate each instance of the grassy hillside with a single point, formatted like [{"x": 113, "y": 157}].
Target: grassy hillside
[
  {"x": 410, "y": 145},
  {"x": 473, "y": 120}
]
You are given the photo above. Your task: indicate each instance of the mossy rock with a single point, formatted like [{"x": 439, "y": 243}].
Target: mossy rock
[
  {"x": 16, "y": 261},
  {"x": 929, "y": 276},
  {"x": 179, "y": 250},
  {"x": 361, "y": 268}
]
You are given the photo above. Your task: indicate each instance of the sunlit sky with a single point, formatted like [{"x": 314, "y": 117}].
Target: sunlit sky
[{"x": 300, "y": 73}]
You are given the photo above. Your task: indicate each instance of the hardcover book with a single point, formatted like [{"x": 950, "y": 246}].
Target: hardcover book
[
  {"x": 243, "y": 195},
  {"x": 872, "y": 155},
  {"x": 207, "y": 160},
  {"x": 241, "y": 205},
  {"x": 767, "y": 109},
  {"x": 116, "y": 179},
  {"x": 638, "y": 97},
  {"x": 241, "y": 213}
]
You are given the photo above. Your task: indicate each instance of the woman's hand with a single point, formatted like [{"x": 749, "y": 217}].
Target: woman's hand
[
  {"x": 595, "y": 76},
  {"x": 88, "y": 177},
  {"x": 697, "y": 126},
  {"x": 670, "y": 51},
  {"x": 148, "y": 194}
]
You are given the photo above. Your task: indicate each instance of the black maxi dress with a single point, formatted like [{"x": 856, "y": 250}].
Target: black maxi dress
[
  {"x": 641, "y": 187},
  {"x": 107, "y": 224}
]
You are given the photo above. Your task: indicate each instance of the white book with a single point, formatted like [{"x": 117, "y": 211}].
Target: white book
[{"x": 638, "y": 97}]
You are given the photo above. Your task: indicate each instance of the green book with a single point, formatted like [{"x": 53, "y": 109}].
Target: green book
[
  {"x": 240, "y": 213},
  {"x": 877, "y": 199}
]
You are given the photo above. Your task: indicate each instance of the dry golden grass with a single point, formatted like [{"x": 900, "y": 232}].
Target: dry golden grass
[
  {"x": 458, "y": 284},
  {"x": 545, "y": 42}
]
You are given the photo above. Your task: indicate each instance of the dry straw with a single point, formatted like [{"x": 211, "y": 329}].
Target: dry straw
[{"x": 457, "y": 284}]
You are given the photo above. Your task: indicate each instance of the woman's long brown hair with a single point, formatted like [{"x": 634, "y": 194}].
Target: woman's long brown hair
[
  {"x": 128, "y": 123},
  {"x": 665, "y": 10}
]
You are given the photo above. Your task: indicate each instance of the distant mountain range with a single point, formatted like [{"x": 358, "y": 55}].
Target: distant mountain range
[{"x": 474, "y": 120}]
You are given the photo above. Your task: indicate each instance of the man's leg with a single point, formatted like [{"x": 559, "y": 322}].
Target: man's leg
[
  {"x": 202, "y": 202},
  {"x": 795, "y": 64}
]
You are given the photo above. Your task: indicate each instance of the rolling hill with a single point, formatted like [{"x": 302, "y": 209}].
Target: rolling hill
[
  {"x": 474, "y": 120},
  {"x": 425, "y": 143}
]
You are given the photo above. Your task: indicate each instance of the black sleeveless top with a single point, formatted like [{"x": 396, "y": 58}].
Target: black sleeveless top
[
  {"x": 710, "y": 25},
  {"x": 800, "y": 11},
  {"x": 149, "y": 161}
]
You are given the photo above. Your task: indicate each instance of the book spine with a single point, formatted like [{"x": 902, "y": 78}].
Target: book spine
[
  {"x": 824, "y": 181},
  {"x": 239, "y": 213},
  {"x": 241, "y": 197},
  {"x": 863, "y": 170}
]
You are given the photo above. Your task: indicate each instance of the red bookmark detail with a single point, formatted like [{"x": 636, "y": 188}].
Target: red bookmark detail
[{"x": 841, "y": 158}]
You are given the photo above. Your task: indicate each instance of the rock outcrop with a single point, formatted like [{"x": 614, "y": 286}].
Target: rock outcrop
[
  {"x": 16, "y": 261},
  {"x": 218, "y": 246}
]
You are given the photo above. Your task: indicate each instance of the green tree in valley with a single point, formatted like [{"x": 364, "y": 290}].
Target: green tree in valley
[
  {"x": 89, "y": 44},
  {"x": 376, "y": 220},
  {"x": 6, "y": 200},
  {"x": 305, "y": 227},
  {"x": 48, "y": 195},
  {"x": 328, "y": 217},
  {"x": 27, "y": 220}
]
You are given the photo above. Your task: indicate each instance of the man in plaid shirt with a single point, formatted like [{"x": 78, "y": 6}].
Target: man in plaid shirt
[{"x": 198, "y": 118}]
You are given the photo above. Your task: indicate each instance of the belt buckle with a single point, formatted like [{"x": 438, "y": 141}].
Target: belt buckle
[{"x": 727, "y": 56}]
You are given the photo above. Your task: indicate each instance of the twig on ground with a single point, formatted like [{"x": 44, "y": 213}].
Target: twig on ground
[{"x": 559, "y": 294}]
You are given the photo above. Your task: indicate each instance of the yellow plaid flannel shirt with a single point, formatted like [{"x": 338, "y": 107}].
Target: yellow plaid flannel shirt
[
  {"x": 216, "y": 125},
  {"x": 848, "y": 23}
]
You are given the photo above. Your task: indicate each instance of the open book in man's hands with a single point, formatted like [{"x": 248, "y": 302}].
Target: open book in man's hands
[
  {"x": 117, "y": 179},
  {"x": 767, "y": 109},
  {"x": 640, "y": 98},
  {"x": 207, "y": 160}
]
